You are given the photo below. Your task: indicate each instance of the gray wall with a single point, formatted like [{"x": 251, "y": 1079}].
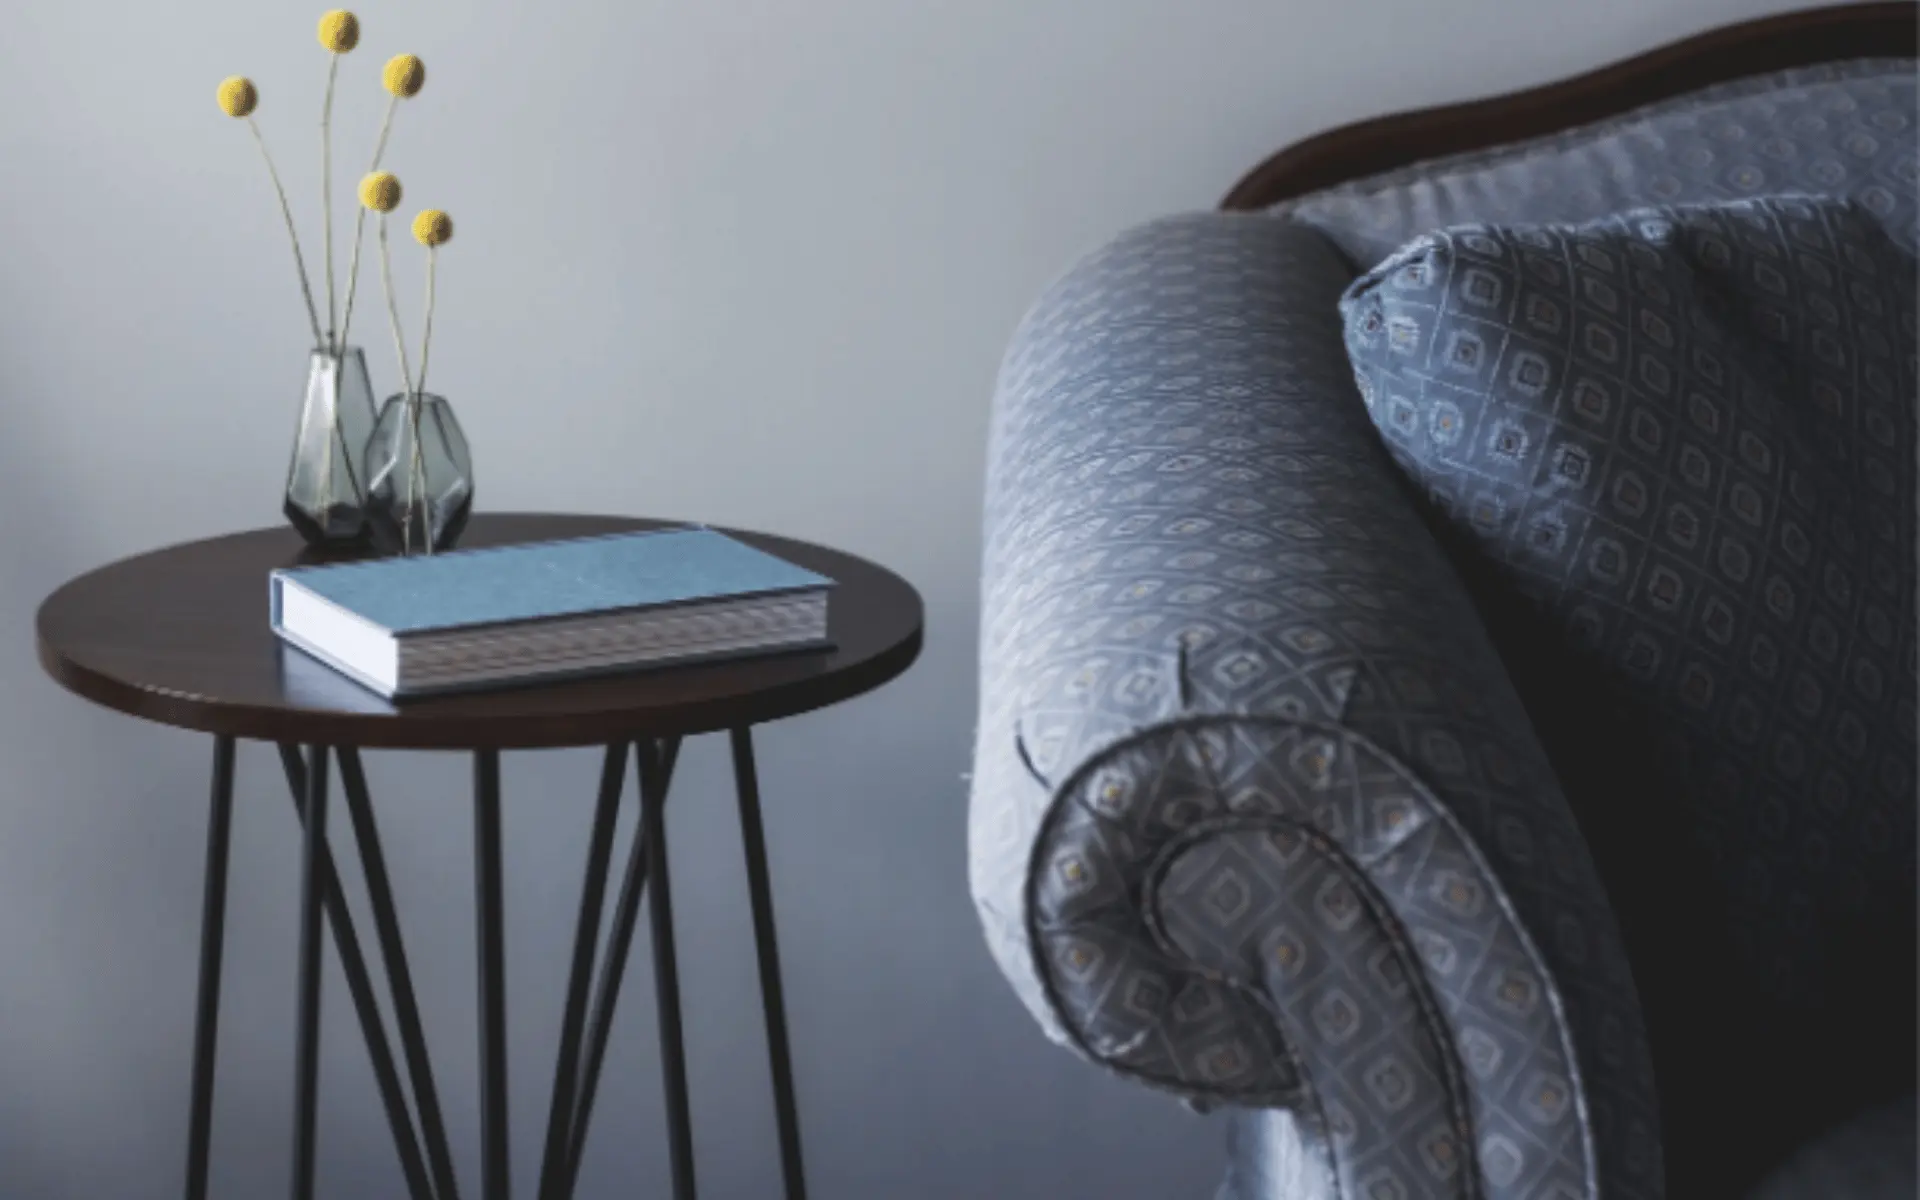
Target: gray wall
[{"x": 746, "y": 261}]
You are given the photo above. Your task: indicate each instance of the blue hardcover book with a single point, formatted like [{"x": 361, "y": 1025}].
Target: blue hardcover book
[{"x": 541, "y": 611}]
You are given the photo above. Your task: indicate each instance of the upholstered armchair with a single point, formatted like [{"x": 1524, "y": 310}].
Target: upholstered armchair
[{"x": 1284, "y": 809}]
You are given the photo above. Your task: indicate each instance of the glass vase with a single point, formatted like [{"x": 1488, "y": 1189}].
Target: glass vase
[
  {"x": 326, "y": 482},
  {"x": 420, "y": 473}
]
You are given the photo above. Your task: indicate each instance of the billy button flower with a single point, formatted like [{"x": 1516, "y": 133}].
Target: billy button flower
[
  {"x": 432, "y": 228},
  {"x": 404, "y": 75},
  {"x": 339, "y": 31},
  {"x": 238, "y": 98},
  {"x": 380, "y": 192}
]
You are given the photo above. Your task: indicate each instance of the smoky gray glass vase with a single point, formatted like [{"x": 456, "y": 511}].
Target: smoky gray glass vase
[
  {"x": 420, "y": 472},
  {"x": 326, "y": 498}
]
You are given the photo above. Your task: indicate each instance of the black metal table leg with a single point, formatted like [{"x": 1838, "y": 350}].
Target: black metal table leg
[
  {"x": 582, "y": 1050},
  {"x": 493, "y": 999},
  {"x": 213, "y": 924},
  {"x": 666, "y": 975},
  {"x": 626, "y": 914},
  {"x": 353, "y": 965},
  {"x": 406, "y": 1011},
  {"x": 753, "y": 837},
  {"x": 306, "y": 1054},
  {"x": 586, "y": 941}
]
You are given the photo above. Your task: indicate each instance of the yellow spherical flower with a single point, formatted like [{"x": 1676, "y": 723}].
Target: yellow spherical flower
[
  {"x": 380, "y": 191},
  {"x": 238, "y": 96},
  {"x": 404, "y": 74},
  {"x": 432, "y": 228},
  {"x": 339, "y": 31}
]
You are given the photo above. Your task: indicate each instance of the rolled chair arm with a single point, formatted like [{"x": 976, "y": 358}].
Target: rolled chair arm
[{"x": 1257, "y": 816}]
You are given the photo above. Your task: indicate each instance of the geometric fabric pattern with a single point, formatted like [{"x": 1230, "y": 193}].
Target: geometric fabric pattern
[
  {"x": 1257, "y": 817},
  {"x": 1687, "y": 436},
  {"x": 1836, "y": 129},
  {"x": 1309, "y": 870}
]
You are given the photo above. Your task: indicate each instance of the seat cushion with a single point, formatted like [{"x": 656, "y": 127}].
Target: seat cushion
[
  {"x": 1840, "y": 129},
  {"x": 1675, "y": 446},
  {"x": 1870, "y": 1157}
]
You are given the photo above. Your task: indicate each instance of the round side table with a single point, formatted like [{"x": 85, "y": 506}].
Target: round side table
[{"x": 180, "y": 636}]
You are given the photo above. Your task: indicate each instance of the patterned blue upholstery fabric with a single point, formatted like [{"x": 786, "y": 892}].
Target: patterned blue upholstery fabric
[
  {"x": 1841, "y": 129},
  {"x": 1685, "y": 436},
  {"x": 1257, "y": 816}
]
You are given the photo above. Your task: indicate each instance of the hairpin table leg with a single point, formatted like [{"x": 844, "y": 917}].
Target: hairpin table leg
[
  {"x": 213, "y": 921},
  {"x": 606, "y": 996},
  {"x": 306, "y": 1066},
  {"x": 493, "y": 989},
  {"x": 586, "y": 942},
  {"x": 406, "y": 1010},
  {"x": 353, "y": 968},
  {"x": 760, "y": 891},
  {"x": 666, "y": 974}
]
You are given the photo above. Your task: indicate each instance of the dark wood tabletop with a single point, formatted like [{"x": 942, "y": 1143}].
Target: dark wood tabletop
[{"x": 180, "y": 636}]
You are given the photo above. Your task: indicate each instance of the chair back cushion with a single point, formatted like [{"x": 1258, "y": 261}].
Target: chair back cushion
[{"x": 1674, "y": 452}]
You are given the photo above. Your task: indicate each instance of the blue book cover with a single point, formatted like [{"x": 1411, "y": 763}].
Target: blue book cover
[{"x": 543, "y": 580}]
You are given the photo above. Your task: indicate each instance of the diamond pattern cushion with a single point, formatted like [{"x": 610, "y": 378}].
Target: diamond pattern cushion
[{"x": 1680, "y": 442}]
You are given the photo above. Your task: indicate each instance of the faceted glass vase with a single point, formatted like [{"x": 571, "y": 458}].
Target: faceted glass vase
[
  {"x": 420, "y": 489},
  {"x": 326, "y": 482}
]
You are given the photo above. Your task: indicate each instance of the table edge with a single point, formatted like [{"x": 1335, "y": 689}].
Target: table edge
[
  {"x": 201, "y": 714},
  {"x": 220, "y": 718}
]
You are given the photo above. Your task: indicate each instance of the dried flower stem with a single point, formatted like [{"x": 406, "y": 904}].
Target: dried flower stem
[
  {"x": 406, "y": 380},
  {"x": 386, "y": 127},
  {"x": 419, "y": 401},
  {"x": 360, "y": 224},
  {"x": 426, "y": 334},
  {"x": 326, "y": 190},
  {"x": 417, "y": 477},
  {"x": 393, "y": 306},
  {"x": 286, "y": 212},
  {"x": 353, "y": 278}
]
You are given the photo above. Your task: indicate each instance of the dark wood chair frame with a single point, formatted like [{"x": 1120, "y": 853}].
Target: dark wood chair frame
[{"x": 1795, "y": 39}]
